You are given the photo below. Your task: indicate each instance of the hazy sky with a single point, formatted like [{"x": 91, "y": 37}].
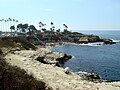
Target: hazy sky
[{"x": 77, "y": 14}]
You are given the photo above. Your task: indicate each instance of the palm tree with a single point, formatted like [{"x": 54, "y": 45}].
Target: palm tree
[
  {"x": 5, "y": 25},
  {"x": 7, "y": 22},
  {"x": 65, "y": 28},
  {"x": 16, "y": 25},
  {"x": 10, "y": 20},
  {"x": 58, "y": 31},
  {"x": 1, "y": 25},
  {"x": 52, "y": 27},
  {"x": 14, "y": 21},
  {"x": 40, "y": 25},
  {"x": 51, "y": 23}
]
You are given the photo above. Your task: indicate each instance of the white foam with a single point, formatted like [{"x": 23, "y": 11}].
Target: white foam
[
  {"x": 93, "y": 44},
  {"x": 115, "y": 40}
]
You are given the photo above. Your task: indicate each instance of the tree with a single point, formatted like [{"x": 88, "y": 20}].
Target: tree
[
  {"x": 40, "y": 25},
  {"x": 52, "y": 29},
  {"x": 32, "y": 29},
  {"x": 10, "y": 20},
  {"x": 22, "y": 27},
  {"x": 51, "y": 23},
  {"x": 58, "y": 31},
  {"x": 12, "y": 28},
  {"x": 65, "y": 28},
  {"x": 0, "y": 25}
]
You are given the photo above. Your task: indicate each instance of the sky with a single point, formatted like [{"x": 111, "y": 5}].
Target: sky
[{"x": 76, "y": 14}]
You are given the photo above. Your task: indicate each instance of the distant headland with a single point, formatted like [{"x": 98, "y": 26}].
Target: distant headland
[{"x": 11, "y": 28}]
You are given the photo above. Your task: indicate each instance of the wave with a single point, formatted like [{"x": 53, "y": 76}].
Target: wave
[
  {"x": 73, "y": 57},
  {"x": 93, "y": 44},
  {"x": 115, "y": 40}
]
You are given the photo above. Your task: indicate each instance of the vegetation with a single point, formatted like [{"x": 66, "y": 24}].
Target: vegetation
[
  {"x": 21, "y": 42},
  {"x": 44, "y": 35},
  {"x": 13, "y": 78}
]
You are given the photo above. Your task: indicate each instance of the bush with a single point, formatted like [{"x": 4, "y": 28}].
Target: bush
[
  {"x": 12, "y": 42},
  {"x": 13, "y": 78}
]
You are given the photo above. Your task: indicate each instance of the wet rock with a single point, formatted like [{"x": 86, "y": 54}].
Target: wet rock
[
  {"x": 63, "y": 59},
  {"x": 109, "y": 42},
  {"x": 90, "y": 76}
]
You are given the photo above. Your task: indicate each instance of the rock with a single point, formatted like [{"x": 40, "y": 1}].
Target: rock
[
  {"x": 83, "y": 40},
  {"x": 89, "y": 76},
  {"x": 109, "y": 42},
  {"x": 41, "y": 59},
  {"x": 18, "y": 49},
  {"x": 67, "y": 70},
  {"x": 63, "y": 59},
  {"x": 89, "y": 38}
]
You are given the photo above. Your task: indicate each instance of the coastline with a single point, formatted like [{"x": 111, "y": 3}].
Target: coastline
[{"x": 54, "y": 76}]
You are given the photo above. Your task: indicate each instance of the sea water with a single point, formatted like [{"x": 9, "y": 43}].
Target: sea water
[{"x": 102, "y": 59}]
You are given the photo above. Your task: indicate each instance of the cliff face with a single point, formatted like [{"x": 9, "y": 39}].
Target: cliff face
[
  {"x": 89, "y": 38},
  {"x": 93, "y": 38}
]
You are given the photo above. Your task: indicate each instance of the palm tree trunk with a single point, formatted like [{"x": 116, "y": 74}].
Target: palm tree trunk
[{"x": 1, "y": 25}]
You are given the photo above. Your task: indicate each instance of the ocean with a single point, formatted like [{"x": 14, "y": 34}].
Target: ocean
[{"x": 101, "y": 59}]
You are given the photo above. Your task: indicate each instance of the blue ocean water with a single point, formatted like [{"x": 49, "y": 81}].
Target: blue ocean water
[{"x": 103, "y": 59}]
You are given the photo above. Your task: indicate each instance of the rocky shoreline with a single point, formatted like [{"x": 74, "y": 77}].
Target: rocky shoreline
[
  {"x": 55, "y": 77},
  {"x": 45, "y": 66}
]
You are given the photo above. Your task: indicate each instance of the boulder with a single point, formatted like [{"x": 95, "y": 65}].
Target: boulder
[
  {"x": 67, "y": 70},
  {"x": 64, "y": 58},
  {"x": 41, "y": 59}
]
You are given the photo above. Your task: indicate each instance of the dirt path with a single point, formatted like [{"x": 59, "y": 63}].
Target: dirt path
[{"x": 52, "y": 75}]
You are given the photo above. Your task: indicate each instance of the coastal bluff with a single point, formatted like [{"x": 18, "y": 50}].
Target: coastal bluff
[
  {"x": 54, "y": 76},
  {"x": 20, "y": 52},
  {"x": 94, "y": 38}
]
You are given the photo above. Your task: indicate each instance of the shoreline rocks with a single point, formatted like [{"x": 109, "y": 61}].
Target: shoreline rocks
[
  {"x": 57, "y": 60},
  {"x": 94, "y": 38},
  {"x": 109, "y": 42},
  {"x": 55, "y": 77},
  {"x": 94, "y": 77}
]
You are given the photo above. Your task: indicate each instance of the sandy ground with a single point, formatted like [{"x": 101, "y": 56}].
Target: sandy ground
[{"x": 55, "y": 77}]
